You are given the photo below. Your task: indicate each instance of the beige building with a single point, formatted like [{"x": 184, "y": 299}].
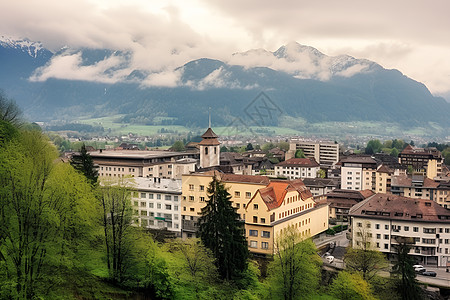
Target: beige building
[
  {"x": 424, "y": 161},
  {"x": 137, "y": 163},
  {"x": 280, "y": 205},
  {"x": 442, "y": 194},
  {"x": 415, "y": 186},
  {"x": 325, "y": 153},
  {"x": 194, "y": 195},
  {"x": 297, "y": 168}
]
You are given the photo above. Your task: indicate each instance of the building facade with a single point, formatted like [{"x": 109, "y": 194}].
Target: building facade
[
  {"x": 325, "y": 153},
  {"x": 382, "y": 220},
  {"x": 358, "y": 173},
  {"x": 157, "y": 203},
  {"x": 297, "y": 168},
  {"x": 424, "y": 161}
]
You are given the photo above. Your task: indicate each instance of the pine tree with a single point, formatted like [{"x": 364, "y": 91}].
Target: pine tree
[
  {"x": 223, "y": 233},
  {"x": 84, "y": 164}
]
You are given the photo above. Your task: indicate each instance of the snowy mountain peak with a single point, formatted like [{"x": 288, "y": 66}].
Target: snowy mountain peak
[
  {"x": 25, "y": 45},
  {"x": 293, "y": 51}
]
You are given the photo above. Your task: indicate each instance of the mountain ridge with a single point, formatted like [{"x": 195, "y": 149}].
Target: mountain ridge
[{"x": 303, "y": 82}]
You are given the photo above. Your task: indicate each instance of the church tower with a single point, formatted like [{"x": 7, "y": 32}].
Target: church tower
[{"x": 209, "y": 149}]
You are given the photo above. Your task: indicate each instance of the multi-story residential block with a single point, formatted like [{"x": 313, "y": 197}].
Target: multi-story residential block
[
  {"x": 424, "y": 161},
  {"x": 382, "y": 220},
  {"x": 340, "y": 201},
  {"x": 358, "y": 172},
  {"x": 320, "y": 186},
  {"x": 297, "y": 168},
  {"x": 280, "y": 205},
  {"x": 157, "y": 203},
  {"x": 442, "y": 194},
  {"x": 415, "y": 186},
  {"x": 325, "y": 153},
  {"x": 194, "y": 194},
  {"x": 137, "y": 163}
]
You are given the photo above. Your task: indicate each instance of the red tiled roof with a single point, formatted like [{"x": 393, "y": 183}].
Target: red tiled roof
[
  {"x": 387, "y": 206},
  {"x": 299, "y": 162},
  {"x": 273, "y": 195}
]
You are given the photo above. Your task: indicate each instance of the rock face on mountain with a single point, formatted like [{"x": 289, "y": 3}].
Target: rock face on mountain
[{"x": 299, "y": 81}]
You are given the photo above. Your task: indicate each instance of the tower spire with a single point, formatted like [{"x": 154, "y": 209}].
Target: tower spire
[{"x": 209, "y": 118}]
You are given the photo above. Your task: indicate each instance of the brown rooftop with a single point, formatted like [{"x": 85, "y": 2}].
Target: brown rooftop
[
  {"x": 387, "y": 206},
  {"x": 299, "y": 162},
  {"x": 209, "y": 134}
]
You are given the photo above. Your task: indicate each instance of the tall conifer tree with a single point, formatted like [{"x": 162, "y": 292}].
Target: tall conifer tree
[
  {"x": 84, "y": 164},
  {"x": 223, "y": 232}
]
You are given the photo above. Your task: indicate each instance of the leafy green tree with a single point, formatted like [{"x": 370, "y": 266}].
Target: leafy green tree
[
  {"x": 299, "y": 154},
  {"x": 321, "y": 173},
  {"x": 350, "y": 286},
  {"x": 373, "y": 146},
  {"x": 295, "y": 271},
  {"x": 267, "y": 147},
  {"x": 410, "y": 170},
  {"x": 85, "y": 165},
  {"x": 222, "y": 232},
  {"x": 223, "y": 149},
  {"x": 399, "y": 144},
  {"x": 9, "y": 111},
  {"x": 403, "y": 270},
  {"x": 117, "y": 218},
  {"x": 364, "y": 259},
  {"x": 395, "y": 152},
  {"x": 45, "y": 212},
  {"x": 178, "y": 146}
]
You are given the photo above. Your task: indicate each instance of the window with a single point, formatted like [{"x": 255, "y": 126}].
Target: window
[
  {"x": 253, "y": 244},
  {"x": 378, "y": 236},
  {"x": 206, "y": 150},
  {"x": 265, "y": 234},
  {"x": 150, "y": 196},
  {"x": 158, "y": 196},
  {"x": 263, "y": 220},
  {"x": 386, "y": 227},
  {"x": 406, "y": 228},
  {"x": 429, "y": 230},
  {"x": 158, "y": 205},
  {"x": 191, "y": 209},
  {"x": 237, "y": 194},
  {"x": 264, "y": 245},
  {"x": 143, "y": 212},
  {"x": 150, "y": 205},
  {"x": 168, "y": 206},
  {"x": 368, "y": 225},
  {"x": 416, "y": 229},
  {"x": 143, "y": 204},
  {"x": 202, "y": 199},
  {"x": 248, "y": 195},
  {"x": 255, "y": 219},
  {"x": 377, "y": 226},
  {"x": 359, "y": 224},
  {"x": 191, "y": 198},
  {"x": 238, "y": 205},
  {"x": 143, "y": 195},
  {"x": 253, "y": 232},
  {"x": 428, "y": 241},
  {"x": 386, "y": 236},
  {"x": 202, "y": 188},
  {"x": 386, "y": 246},
  {"x": 175, "y": 207},
  {"x": 167, "y": 197},
  {"x": 191, "y": 187},
  {"x": 255, "y": 206}
]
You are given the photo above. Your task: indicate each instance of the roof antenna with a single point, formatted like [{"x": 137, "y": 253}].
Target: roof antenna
[{"x": 209, "y": 117}]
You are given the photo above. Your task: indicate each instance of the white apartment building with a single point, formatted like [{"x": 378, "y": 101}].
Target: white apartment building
[
  {"x": 297, "y": 168},
  {"x": 384, "y": 219},
  {"x": 325, "y": 153},
  {"x": 358, "y": 172},
  {"x": 156, "y": 203}
]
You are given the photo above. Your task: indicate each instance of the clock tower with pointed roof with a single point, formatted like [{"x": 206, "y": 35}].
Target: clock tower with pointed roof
[{"x": 209, "y": 149}]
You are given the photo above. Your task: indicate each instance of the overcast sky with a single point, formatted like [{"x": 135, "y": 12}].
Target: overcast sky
[{"x": 412, "y": 36}]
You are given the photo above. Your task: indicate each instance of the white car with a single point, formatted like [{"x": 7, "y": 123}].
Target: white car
[
  {"x": 417, "y": 266},
  {"x": 330, "y": 258}
]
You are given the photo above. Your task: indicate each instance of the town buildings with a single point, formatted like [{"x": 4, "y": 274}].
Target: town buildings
[
  {"x": 157, "y": 203},
  {"x": 382, "y": 220},
  {"x": 424, "y": 161},
  {"x": 320, "y": 186},
  {"x": 297, "y": 168},
  {"x": 325, "y": 153}
]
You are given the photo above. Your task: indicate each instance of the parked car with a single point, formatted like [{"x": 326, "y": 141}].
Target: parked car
[
  {"x": 330, "y": 258},
  {"x": 420, "y": 270},
  {"x": 417, "y": 266},
  {"x": 429, "y": 273}
]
